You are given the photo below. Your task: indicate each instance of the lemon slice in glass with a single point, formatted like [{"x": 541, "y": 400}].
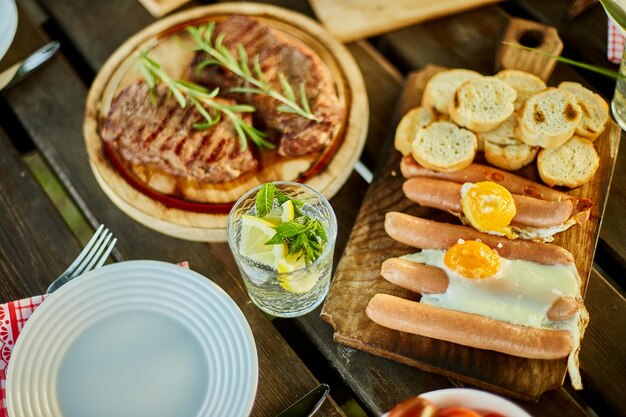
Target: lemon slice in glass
[
  {"x": 284, "y": 213},
  {"x": 254, "y": 233},
  {"x": 274, "y": 216},
  {"x": 299, "y": 283},
  {"x": 288, "y": 213}
]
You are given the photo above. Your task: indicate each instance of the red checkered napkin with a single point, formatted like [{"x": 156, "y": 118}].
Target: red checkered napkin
[
  {"x": 13, "y": 316},
  {"x": 615, "y": 46}
]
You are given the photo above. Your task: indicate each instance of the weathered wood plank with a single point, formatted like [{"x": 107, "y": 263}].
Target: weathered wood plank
[
  {"x": 35, "y": 243},
  {"x": 599, "y": 357}
]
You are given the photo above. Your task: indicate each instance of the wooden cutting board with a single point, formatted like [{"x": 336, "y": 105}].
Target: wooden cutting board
[
  {"x": 358, "y": 278},
  {"x": 350, "y": 20}
]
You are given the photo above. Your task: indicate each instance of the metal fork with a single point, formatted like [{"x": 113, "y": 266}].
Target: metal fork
[{"x": 93, "y": 256}]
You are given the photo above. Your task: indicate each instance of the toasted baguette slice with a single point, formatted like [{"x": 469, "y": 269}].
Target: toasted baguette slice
[
  {"x": 594, "y": 108},
  {"x": 571, "y": 164},
  {"x": 510, "y": 157},
  {"x": 482, "y": 104},
  {"x": 441, "y": 87},
  {"x": 504, "y": 134},
  {"x": 525, "y": 83},
  {"x": 414, "y": 120},
  {"x": 548, "y": 119},
  {"x": 444, "y": 147}
]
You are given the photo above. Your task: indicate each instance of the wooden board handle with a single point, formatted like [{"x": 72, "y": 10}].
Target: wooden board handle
[{"x": 532, "y": 34}]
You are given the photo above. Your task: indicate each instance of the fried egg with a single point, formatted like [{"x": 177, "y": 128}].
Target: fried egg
[
  {"x": 488, "y": 207},
  {"x": 482, "y": 282},
  {"x": 516, "y": 291}
]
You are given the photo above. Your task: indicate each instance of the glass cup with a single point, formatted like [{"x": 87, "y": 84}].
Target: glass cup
[{"x": 285, "y": 294}]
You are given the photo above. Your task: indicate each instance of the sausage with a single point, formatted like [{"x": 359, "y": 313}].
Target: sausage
[
  {"x": 428, "y": 279},
  {"x": 413, "y": 407},
  {"x": 429, "y": 234},
  {"x": 446, "y": 195},
  {"x": 541, "y": 213},
  {"x": 476, "y": 173},
  {"x": 419, "y": 278},
  {"x": 468, "y": 329},
  {"x": 563, "y": 308}
]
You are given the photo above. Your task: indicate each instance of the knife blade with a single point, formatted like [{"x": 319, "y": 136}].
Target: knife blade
[
  {"x": 21, "y": 70},
  {"x": 307, "y": 405}
]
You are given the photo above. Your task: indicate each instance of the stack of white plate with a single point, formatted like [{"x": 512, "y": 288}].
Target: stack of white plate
[
  {"x": 138, "y": 338},
  {"x": 8, "y": 24}
]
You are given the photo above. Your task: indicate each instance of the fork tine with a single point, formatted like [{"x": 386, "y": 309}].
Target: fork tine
[
  {"x": 80, "y": 268},
  {"x": 84, "y": 252},
  {"x": 96, "y": 256},
  {"x": 106, "y": 254}
]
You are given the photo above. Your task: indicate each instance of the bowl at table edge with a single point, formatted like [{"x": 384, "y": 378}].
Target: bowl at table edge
[{"x": 480, "y": 401}]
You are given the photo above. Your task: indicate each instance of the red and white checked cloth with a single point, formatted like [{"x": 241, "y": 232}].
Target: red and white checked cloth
[
  {"x": 615, "y": 46},
  {"x": 13, "y": 317}
]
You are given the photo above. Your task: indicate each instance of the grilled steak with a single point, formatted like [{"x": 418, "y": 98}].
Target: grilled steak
[
  {"x": 161, "y": 136},
  {"x": 277, "y": 53}
]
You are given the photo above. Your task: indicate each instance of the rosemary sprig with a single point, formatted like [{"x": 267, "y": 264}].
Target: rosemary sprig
[
  {"x": 220, "y": 55},
  {"x": 600, "y": 70},
  {"x": 199, "y": 96}
]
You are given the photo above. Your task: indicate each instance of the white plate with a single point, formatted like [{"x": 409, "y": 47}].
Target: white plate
[
  {"x": 138, "y": 338},
  {"x": 8, "y": 24},
  {"x": 480, "y": 401}
]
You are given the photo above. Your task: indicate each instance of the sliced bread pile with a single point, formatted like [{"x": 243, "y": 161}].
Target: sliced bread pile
[{"x": 513, "y": 117}]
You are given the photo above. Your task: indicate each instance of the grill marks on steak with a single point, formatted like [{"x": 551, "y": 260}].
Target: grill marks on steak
[
  {"x": 162, "y": 137},
  {"x": 277, "y": 53}
]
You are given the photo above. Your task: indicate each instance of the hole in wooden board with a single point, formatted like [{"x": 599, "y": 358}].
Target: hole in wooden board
[{"x": 531, "y": 38}]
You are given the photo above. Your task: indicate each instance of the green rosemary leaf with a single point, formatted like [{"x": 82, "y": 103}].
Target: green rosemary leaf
[
  {"x": 243, "y": 59},
  {"x": 257, "y": 69},
  {"x": 286, "y": 109},
  {"x": 257, "y": 137},
  {"x": 250, "y": 90},
  {"x": 242, "y": 108},
  {"x": 303, "y": 98},
  {"x": 265, "y": 199},
  {"x": 205, "y": 64},
  {"x": 193, "y": 86},
  {"x": 287, "y": 90},
  {"x": 242, "y": 136}
]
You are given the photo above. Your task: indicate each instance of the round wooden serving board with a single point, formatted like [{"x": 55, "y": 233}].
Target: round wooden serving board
[{"x": 325, "y": 171}]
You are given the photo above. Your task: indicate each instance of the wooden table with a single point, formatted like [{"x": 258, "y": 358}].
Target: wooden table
[{"x": 44, "y": 114}]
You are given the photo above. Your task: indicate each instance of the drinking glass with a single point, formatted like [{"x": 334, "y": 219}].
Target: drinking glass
[
  {"x": 616, "y": 9},
  {"x": 618, "y": 104},
  {"x": 285, "y": 294}
]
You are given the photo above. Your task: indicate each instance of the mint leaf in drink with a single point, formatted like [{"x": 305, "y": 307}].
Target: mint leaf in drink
[
  {"x": 304, "y": 236},
  {"x": 265, "y": 199},
  {"x": 282, "y": 197},
  {"x": 290, "y": 229}
]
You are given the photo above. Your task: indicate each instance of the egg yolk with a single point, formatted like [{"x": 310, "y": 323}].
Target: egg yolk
[
  {"x": 489, "y": 207},
  {"x": 472, "y": 259}
]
